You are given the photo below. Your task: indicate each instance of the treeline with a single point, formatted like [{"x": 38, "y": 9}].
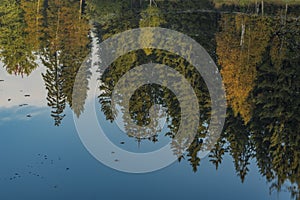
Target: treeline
[{"x": 259, "y": 63}]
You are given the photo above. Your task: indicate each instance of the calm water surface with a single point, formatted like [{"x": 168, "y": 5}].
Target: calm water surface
[{"x": 43, "y": 44}]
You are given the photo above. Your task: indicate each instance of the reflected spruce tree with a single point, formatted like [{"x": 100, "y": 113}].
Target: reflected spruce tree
[
  {"x": 66, "y": 48},
  {"x": 53, "y": 81},
  {"x": 51, "y": 58}
]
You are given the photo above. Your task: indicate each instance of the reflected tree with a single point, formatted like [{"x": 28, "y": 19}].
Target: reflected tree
[
  {"x": 16, "y": 53},
  {"x": 66, "y": 49},
  {"x": 240, "y": 46}
]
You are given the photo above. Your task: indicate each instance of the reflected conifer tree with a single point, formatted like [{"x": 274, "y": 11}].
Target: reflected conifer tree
[
  {"x": 66, "y": 49},
  {"x": 16, "y": 53}
]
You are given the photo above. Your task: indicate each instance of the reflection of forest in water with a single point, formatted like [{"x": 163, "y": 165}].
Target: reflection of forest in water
[{"x": 258, "y": 57}]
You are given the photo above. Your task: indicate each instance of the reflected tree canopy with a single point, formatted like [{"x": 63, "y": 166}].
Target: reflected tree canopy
[{"x": 256, "y": 47}]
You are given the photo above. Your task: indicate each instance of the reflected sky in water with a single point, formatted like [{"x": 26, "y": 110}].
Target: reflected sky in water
[
  {"x": 71, "y": 172},
  {"x": 44, "y": 43}
]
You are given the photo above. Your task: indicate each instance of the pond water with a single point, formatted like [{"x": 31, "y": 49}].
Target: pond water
[{"x": 54, "y": 66}]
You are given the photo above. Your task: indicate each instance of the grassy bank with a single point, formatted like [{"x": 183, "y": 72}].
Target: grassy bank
[{"x": 219, "y": 3}]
